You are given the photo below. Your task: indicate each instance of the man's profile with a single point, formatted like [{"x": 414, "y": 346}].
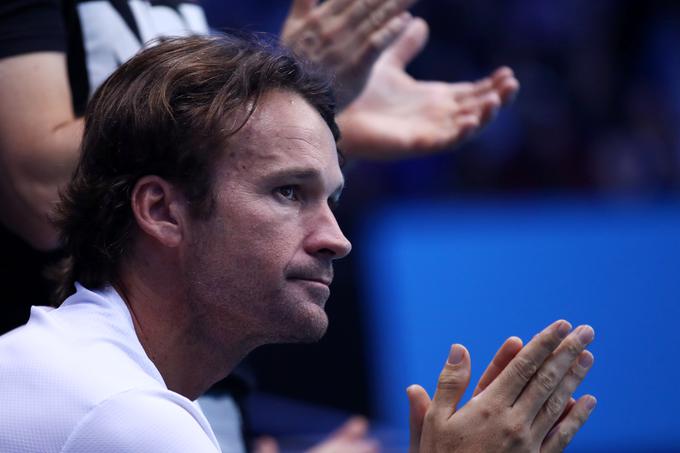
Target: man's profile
[{"x": 199, "y": 226}]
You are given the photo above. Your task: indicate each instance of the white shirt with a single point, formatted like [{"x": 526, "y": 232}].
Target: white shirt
[{"x": 76, "y": 379}]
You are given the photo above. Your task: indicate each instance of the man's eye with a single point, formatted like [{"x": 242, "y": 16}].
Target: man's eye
[{"x": 288, "y": 192}]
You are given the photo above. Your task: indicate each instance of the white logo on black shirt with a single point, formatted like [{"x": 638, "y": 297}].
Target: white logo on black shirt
[{"x": 108, "y": 40}]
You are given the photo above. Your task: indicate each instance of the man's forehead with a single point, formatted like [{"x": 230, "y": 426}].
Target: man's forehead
[
  {"x": 284, "y": 131},
  {"x": 297, "y": 148},
  {"x": 286, "y": 118}
]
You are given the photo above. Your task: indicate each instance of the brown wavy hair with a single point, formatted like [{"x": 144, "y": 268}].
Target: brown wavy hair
[{"x": 170, "y": 112}]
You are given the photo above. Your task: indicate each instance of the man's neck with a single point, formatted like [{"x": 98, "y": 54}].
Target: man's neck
[{"x": 169, "y": 329}]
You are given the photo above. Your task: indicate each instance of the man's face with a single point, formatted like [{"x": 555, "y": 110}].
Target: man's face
[{"x": 263, "y": 259}]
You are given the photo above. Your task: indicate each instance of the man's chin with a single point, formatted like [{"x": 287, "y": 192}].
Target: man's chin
[
  {"x": 309, "y": 327},
  {"x": 312, "y": 292}
]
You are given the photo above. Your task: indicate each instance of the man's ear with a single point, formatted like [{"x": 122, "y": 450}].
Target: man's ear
[{"x": 159, "y": 209}]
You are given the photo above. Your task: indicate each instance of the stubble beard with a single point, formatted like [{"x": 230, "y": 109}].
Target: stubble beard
[
  {"x": 235, "y": 303},
  {"x": 307, "y": 324},
  {"x": 232, "y": 309}
]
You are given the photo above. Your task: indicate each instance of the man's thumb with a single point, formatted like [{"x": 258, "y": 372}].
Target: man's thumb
[
  {"x": 453, "y": 381},
  {"x": 409, "y": 44},
  {"x": 419, "y": 402}
]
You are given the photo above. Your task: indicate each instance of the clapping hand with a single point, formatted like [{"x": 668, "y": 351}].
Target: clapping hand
[
  {"x": 399, "y": 116},
  {"x": 345, "y": 37},
  {"x": 523, "y": 402}
]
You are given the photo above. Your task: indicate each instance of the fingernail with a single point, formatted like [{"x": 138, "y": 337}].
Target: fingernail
[
  {"x": 585, "y": 334},
  {"x": 585, "y": 360},
  {"x": 591, "y": 403},
  {"x": 563, "y": 329},
  {"x": 456, "y": 354}
]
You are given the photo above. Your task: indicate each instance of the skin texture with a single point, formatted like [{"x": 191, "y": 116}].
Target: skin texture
[
  {"x": 385, "y": 113},
  {"x": 258, "y": 269},
  {"x": 273, "y": 227},
  {"x": 398, "y": 116},
  {"x": 345, "y": 36},
  {"x": 39, "y": 140},
  {"x": 419, "y": 401},
  {"x": 527, "y": 407}
]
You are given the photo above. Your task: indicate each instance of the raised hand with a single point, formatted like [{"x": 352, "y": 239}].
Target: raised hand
[
  {"x": 397, "y": 115},
  {"x": 345, "y": 36},
  {"x": 527, "y": 408}
]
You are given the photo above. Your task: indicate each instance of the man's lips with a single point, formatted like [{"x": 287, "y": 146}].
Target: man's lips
[{"x": 324, "y": 280}]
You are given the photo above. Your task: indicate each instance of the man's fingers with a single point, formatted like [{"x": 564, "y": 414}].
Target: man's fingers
[
  {"x": 409, "y": 44},
  {"x": 482, "y": 87},
  {"x": 360, "y": 11},
  {"x": 336, "y": 7},
  {"x": 472, "y": 92},
  {"x": 508, "y": 90},
  {"x": 560, "y": 436},
  {"x": 502, "y": 73},
  {"x": 301, "y": 8},
  {"x": 502, "y": 82},
  {"x": 486, "y": 107},
  {"x": 465, "y": 126},
  {"x": 367, "y": 16},
  {"x": 503, "y": 356},
  {"x": 374, "y": 45},
  {"x": 418, "y": 402},
  {"x": 570, "y": 404},
  {"x": 551, "y": 374},
  {"x": 491, "y": 105},
  {"x": 553, "y": 409},
  {"x": 505, "y": 84},
  {"x": 453, "y": 381},
  {"x": 512, "y": 380}
]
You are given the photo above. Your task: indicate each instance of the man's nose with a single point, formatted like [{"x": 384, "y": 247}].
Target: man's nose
[{"x": 327, "y": 237}]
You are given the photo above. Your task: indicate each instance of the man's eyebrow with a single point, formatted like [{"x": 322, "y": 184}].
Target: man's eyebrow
[
  {"x": 303, "y": 173},
  {"x": 296, "y": 173}
]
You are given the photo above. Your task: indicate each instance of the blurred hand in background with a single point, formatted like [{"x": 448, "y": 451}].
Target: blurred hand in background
[
  {"x": 398, "y": 116},
  {"x": 351, "y": 437},
  {"x": 345, "y": 36},
  {"x": 386, "y": 113}
]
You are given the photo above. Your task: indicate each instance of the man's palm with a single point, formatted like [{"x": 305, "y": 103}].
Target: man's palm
[{"x": 396, "y": 115}]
